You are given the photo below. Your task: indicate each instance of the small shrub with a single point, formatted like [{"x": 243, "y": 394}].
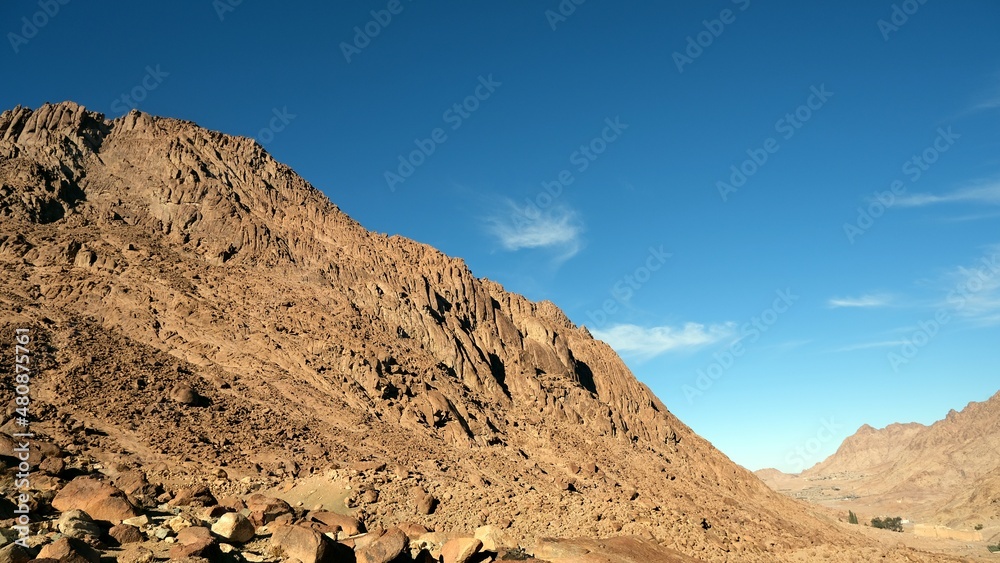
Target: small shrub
[
  {"x": 852, "y": 518},
  {"x": 979, "y": 527}
]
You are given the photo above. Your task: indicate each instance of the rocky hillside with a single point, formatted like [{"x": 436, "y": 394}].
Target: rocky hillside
[
  {"x": 205, "y": 317},
  {"x": 868, "y": 450},
  {"x": 946, "y": 473}
]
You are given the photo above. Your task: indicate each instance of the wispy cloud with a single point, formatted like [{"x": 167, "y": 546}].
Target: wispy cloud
[
  {"x": 865, "y": 301},
  {"x": 869, "y": 345},
  {"x": 519, "y": 227},
  {"x": 988, "y": 194},
  {"x": 974, "y": 292},
  {"x": 647, "y": 342},
  {"x": 986, "y": 105}
]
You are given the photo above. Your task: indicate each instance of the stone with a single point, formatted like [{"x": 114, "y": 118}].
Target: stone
[
  {"x": 133, "y": 483},
  {"x": 264, "y": 509},
  {"x": 460, "y": 550},
  {"x": 423, "y": 502},
  {"x": 412, "y": 529},
  {"x": 234, "y": 527},
  {"x": 53, "y": 466},
  {"x": 194, "y": 495},
  {"x": 194, "y": 541},
  {"x": 194, "y": 534},
  {"x": 14, "y": 553},
  {"x": 100, "y": 500},
  {"x": 78, "y": 524},
  {"x": 185, "y": 395},
  {"x": 385, "y": 548},
  {"x": 180, "y": 522},
  {"x": 125, "y": 534},
  {"x": 493, "y": 538},
  {"x": 308, "y": 546},
  {"x": 137, "y": 521},
  {"x": 235, "y": 504},
  {"x": 333, "y": 522},
  {"x": 69, "y": 550}
]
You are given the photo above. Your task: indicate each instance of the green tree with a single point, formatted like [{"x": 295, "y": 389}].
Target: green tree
[{"x": 894, "y": 524}]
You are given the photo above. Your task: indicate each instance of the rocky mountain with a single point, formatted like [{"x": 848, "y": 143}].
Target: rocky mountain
[
  {"x": 205, "y": 319},
  {"x": 868, "y": 450},
  {"x": 947, "y": 473}
]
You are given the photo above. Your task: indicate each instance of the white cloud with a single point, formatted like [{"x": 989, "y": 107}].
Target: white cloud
[
  {"x": 986, "y": 194},
  {"x": 647, "y": 342},
  {"x": 522, "y": 227},
  {"x": 864, "y": 301}
]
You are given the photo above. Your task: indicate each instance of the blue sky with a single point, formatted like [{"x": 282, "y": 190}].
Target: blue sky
[{"x": 784, "y": 215}]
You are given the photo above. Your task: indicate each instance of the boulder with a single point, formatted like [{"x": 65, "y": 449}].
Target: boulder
[
  {"x": 100, "y": 500},
  {"x": 308, "y": 546},
  {"x": 13, "y": 553},
  {"x": 193, "y": 495},
  {"x": 69, "y": 550},
  {"x": 125, "y": 534},
  {"x": 493, "y": 538},
  {"x": 264, "y": 509},
  {"x": 78, "y": 524},
  {"x": 384, "y": 549},
  {"x": 234, "y": 527},
  {"x": 195, "y": 541},
  {"x": 186, "y": 395},
  {"x": 460, "y": 550},
  {"x": 412, "y": 529},
  {"x": 423, "y": 502},
  {"x": 333, "y": 522}
]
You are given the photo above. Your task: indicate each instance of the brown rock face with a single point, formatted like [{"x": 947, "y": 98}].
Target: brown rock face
[
  {"x": 99, "y": 500},
  {"x": 384, "y": 549},
  {"x": 150, "y": 255},
  {"x": 308, "y": 546},
  {"x": 68, "y": 550}
]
